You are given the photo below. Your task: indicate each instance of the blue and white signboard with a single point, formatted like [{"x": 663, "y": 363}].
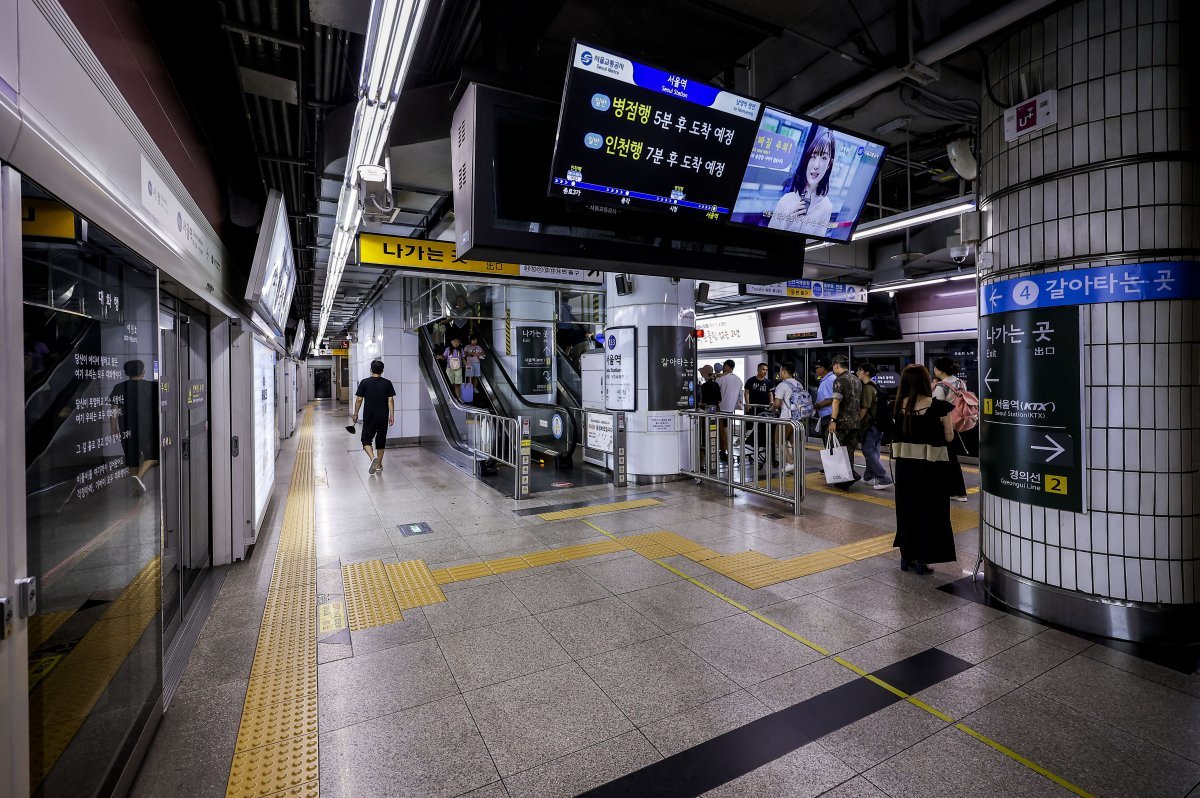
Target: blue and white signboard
[
  {"x": 1136, "y": 282},
  {"x": 811, "y": 289}
]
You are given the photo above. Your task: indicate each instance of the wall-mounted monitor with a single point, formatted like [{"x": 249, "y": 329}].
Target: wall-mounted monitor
[
  {"x": 807, "y": 178},
  {"x": 502, "y": 144},
  {"x": 733, "y": 331},
  {"x": 273, "y": 274},
  {"x": 842, "y": 322},
  {"x": 296, "y": 348},
  {"x": 637, "y": 136}
]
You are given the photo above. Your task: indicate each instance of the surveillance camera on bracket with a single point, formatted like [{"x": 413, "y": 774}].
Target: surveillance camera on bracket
[{"x": 375, "y": 192}]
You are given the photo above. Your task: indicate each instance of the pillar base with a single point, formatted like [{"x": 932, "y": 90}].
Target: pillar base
[
  {"x": 653, "y": 479},
  {"x": 1173, "y": 624}
]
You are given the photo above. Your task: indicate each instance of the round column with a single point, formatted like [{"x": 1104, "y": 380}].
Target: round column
[
  {"x": 1110, "y": 184},
  {"x": 655, "y": 455}
]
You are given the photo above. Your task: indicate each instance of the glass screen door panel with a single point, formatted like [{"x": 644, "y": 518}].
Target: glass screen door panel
[{"x": 196, "y": 542}]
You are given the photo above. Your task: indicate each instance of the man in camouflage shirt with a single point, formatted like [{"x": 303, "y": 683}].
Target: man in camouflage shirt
[{"x": 844, "y": 421}]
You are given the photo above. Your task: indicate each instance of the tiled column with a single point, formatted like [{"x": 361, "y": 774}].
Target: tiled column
[
  {"x": 1113, "y": 182},
  {"x": 654, "y": 456}
]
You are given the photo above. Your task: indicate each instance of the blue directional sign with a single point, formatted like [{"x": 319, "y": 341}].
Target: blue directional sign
[{"x": 1136, "y": 282}]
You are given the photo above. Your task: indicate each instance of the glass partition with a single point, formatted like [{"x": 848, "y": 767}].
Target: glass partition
[{"x": 93, "y": 497}]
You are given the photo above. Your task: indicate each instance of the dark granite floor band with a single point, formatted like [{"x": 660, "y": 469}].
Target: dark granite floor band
[
  {"x": 617, "y": 496},
  {"x": 735, "y": 753}
]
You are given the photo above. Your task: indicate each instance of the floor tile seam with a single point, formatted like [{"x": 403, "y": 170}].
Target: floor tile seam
[
  {"x": 1092, "y": 717},
  {"x": 919, "y": 704},
  {"x": 634, "y": 730},
  {"x": 1093, "y": 658},
  {"x": 462, "y": 696}
]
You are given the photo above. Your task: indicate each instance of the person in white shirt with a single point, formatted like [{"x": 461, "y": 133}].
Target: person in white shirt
[{"x": 731, "y": 399}]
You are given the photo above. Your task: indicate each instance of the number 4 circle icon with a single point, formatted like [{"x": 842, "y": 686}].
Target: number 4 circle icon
[{"x": 1025, "y": 292}]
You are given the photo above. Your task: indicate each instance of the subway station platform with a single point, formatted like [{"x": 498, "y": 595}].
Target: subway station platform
[{"x": 662, "y": 640}]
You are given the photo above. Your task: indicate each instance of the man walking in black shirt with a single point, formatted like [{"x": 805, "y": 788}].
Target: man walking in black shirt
[{"x": 379, "y": 413}]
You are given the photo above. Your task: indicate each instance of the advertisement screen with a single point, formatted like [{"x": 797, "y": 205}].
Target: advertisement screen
[
  {"x": 262, "y": 407},
  {"x": 633, "y": 135},
  {"x": 806, "y": 178}
]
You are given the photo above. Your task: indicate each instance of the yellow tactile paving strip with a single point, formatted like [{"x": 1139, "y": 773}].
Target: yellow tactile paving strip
[
  {"x": 598, "y": 509},
  {"x": 66, "y": 697},
  {"x": 463, "y": 573},
  {"x": 42, "y": 626},
  {"x": 276, "y": 751},
  {"x": 370, "y": 601}
]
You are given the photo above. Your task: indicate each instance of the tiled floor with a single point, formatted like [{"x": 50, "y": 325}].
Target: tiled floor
[{"x": 556, "y": 680}]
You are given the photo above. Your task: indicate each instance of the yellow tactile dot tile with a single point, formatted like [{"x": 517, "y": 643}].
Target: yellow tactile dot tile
[
  {"x": 598, "y": 509},
  {"x": 442, "y": 576},
  {"x": 962, "y": 519},
  {"x": 506, "y": 564},
  {"x": 653, "y": 551},
  {"x": 370, "y": 600},
  {"x": 310, "y": 789},
  {"x": 263, "y": 725},
  {"x": 732, "y": 563},
  {"x": 576, "y": 552},
  {"x": 272, "y": 688},
  {"x": 266, "y": 662},
  {"x": 701, "y": 555},
  {"x": 273, "y": 768},
  {"x": 863, "y": 549}
]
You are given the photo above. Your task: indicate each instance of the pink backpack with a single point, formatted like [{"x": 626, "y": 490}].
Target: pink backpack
[{"x": 965, "y": 415}]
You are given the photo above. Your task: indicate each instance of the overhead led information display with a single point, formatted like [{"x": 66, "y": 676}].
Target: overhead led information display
[
  {"x": 806, "y": 178},
  {"x": 633, "y": 135}
]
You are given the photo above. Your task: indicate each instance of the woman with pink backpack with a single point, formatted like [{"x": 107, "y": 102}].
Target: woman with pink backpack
[{"x": 965, "y": 415}]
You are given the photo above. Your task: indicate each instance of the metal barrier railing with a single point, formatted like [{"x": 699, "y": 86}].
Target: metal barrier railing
[
  {"x": 501, "y": 440},
  {"x": 756, "y": 452}
]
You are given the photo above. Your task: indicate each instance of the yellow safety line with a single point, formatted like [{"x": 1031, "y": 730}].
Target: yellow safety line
[
  {"x": 875, "y": 679},
  {"x": 276, "y": 749}
]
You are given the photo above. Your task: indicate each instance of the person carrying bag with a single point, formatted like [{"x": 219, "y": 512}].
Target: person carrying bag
[{"x": 835, "y": 461}]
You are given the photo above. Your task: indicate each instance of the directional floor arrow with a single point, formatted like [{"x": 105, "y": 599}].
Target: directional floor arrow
[
  {"x": 1054, "y": 446},
  {"x": 989, "y": 379}
]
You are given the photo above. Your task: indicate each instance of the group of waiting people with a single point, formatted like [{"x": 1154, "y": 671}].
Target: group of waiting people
[{"x": 854, "y": 409}]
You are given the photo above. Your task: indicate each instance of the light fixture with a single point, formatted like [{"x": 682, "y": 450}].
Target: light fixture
[
  {"x": 962, "y": 159},
  {"x": 821, "y": 245},
  {"x": 927, "y": 213},
  {"x": 391, "y": 38},
  {"x": 918, "y": 283}
]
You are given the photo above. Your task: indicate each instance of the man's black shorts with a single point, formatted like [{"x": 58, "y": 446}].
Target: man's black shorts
[{"x": 376, "y": 430}]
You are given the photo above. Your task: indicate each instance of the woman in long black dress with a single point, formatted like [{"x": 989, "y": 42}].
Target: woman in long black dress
[{"x": 919, "y": 439}]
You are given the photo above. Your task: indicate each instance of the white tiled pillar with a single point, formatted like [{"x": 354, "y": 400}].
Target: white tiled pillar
[
  {"x": 380, "y": 333},
  {"x": 1109, "y": 184}
]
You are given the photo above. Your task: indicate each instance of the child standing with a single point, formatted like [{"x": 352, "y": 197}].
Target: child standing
[
  {"x": 474, "y": 353},
  {"x": 453, "y": 358}
]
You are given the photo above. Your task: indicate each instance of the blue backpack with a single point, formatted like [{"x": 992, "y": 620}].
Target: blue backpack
[{"x": 799, "y": 404}]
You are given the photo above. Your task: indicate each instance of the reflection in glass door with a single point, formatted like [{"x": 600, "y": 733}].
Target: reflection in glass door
[{"x": 187, "y": 540}]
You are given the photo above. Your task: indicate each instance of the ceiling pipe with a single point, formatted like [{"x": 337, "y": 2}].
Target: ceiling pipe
[{"x": 962, "y": 38}]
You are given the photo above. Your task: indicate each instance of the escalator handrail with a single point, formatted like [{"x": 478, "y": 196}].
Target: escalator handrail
[{"x": 568, "y": 417}]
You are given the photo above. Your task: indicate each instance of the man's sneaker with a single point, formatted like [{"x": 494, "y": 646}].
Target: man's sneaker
[
  {"x": 869, "y": 481},
  {"x": 789, "y": 468},
  {"x": 881, "y": 485},
  {"x": 141, "y": 486},
  {"x": 374, "y": 466}
]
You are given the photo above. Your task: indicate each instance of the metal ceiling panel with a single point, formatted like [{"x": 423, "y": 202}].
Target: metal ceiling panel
[
  {"x": 270, "y": 86},
  {"x": 348, "y": 15}
]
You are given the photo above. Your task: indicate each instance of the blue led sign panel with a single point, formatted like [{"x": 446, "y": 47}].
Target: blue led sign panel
[
  {"x": 1135, "y": 282},
  {"x": 633, "y": 135}
]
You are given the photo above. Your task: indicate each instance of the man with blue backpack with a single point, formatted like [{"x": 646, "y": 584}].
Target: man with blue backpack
[{"x": 793, "y": 401}]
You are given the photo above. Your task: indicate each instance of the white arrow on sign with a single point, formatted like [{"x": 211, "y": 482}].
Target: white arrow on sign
[
  {"x": 994, "y": 298},
  {"x": 989, "y": 379},
  {"x": 1054, "y": 446}
]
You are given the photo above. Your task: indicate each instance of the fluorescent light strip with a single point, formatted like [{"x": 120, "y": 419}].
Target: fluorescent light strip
[
  {"x": 392, "y": 33},
  {"x": 919, "y": 283},
  {"x": 929, "y": 213}
]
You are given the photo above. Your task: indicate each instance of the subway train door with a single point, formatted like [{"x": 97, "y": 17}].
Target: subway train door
[
  {"x": 322, "y": 383},
  {"x": 187, "y": 533}
]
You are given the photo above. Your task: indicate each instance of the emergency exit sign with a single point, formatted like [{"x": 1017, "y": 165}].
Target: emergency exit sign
[{"x": 1032, "y": 114}]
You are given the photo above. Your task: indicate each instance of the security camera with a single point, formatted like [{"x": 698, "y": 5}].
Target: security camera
[
  {"x": 960, "y": 254},
  {"x": 375, "y": 192},
  {"x": 962, "y": 159}
]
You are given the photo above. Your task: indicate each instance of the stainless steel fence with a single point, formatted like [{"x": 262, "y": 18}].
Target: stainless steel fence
[
  {"x": 748, "y": 453},
  {"x": 500, "y": 440}
]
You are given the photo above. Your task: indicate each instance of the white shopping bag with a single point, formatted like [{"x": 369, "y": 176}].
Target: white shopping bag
[{"x": 835, "y": 460}]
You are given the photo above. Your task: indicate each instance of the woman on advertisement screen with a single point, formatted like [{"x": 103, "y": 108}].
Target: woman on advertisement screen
[{"x": 805, "y": 206}]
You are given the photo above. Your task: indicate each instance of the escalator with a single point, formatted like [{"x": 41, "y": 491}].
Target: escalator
[{"x": 552, "y": 427}]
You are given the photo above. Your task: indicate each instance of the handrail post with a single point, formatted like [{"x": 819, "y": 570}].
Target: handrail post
[
  {"x": 728, "y": 456},
  {"x": 798, "y": 473}
]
